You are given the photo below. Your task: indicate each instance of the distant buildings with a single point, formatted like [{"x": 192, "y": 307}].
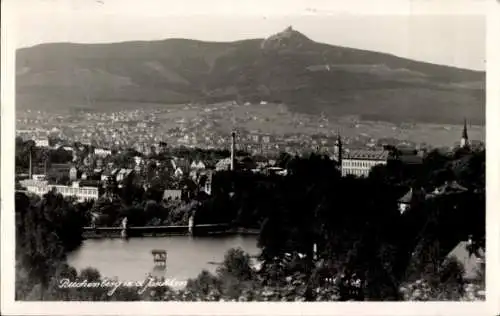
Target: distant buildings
[
  {"x": 276, "y": 170},
  {"x": 39, "y": 177},
  {"x": 172, "y": 195},
  {"x": 42, "y": 142},
  {"x": 73, "y": 173},
  {"x": 223, "y": 164},
  {"x": 123, "y": 174},
  {"x": 102, "y": 152},
  {"x": 198, "y": 165}
]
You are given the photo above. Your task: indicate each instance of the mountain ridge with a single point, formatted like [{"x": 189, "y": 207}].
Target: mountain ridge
[
  {"x": 22, "y": 49},
  {"x": 307, "y": 76}
]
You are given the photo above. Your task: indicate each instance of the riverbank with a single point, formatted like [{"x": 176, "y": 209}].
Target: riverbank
[{"x": 165, "y": 231}]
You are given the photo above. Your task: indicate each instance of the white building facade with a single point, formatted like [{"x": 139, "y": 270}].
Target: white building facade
[
  {"x": 81, "y": 193},
  {"x": 360, "y": 162}
]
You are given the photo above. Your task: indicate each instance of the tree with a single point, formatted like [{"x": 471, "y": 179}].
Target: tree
[
  {"x": 236, "y": 264},
  {"x": 206, "y": 284},
  {"x": 41, "y": 250}
]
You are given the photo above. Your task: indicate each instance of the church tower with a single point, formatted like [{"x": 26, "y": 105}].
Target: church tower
[
  {"x": 233, "y": 148},
  {"x": 464, "y": 142}
]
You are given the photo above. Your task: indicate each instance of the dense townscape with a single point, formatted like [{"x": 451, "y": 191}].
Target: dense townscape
[
  {"x": 207, "y": 127},
  {"x": 417, "y": 233}
]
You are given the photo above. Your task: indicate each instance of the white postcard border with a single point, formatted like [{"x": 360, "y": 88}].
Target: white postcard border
[{"x": 490, "y": 307}]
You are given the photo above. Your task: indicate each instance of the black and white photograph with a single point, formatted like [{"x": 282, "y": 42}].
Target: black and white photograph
[{"x": 194, "y": 152}]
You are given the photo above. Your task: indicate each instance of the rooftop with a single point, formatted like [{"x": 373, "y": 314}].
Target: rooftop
[
  {"x": 471, "y": 264},
  {"x": 448, "y": 189},
  {"x": 407, "y": 197},
  {"x": 361, "y": 154}
]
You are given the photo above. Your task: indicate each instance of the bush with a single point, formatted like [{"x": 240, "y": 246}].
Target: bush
[
  {"x": 236, "y": 264},
  {"x": 206, "y": 284}
]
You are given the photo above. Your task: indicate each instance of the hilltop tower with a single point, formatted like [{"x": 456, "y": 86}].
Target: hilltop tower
[
  {"x": 464, "y": 142},
  {"x": 233, "y": 145}
]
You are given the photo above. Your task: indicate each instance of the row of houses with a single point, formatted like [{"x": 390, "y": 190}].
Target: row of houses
[
  {"x": 118, "y": 174},
  {"x": 92, "y": 192},
  {"x": 100, "y": 152},
  {"x": 448, "y": 188}
]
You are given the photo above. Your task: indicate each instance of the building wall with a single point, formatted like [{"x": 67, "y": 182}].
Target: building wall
[
  {"x": 41, "y": 142},
  {"x": 359, "y": 167},
  {"x": 81, "y": 193},
  {"x": 172, "y": 194},
  {"x": 102, "y": 152},
  {"x": 403, "y": 207}
]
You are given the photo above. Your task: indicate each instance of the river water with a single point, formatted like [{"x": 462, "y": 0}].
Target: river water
[{"x": 131, "y": 260}]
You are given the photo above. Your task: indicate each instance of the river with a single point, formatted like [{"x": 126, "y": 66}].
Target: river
[{"x": 131, "y": 260}]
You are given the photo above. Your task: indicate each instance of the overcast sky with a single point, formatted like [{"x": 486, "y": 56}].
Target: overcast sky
[{"x": 450, "y": 32}]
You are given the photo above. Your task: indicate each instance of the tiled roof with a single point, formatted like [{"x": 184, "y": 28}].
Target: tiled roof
[
  {"x": 125, "y": 171},
  {"x": 411, "y": 159},
  {"x": 225, "y": 161},
  {"x": 407, "y": 197},
  {"x": 30, "y": 182},
  {"x": 451, "y": 187},
  {"x": 470, "y": 262},
  {"x": 360, "y": 154},
  {"x": 447, "y": 189}
]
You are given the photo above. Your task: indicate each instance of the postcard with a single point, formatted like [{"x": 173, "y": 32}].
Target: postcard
[{"x": 249, "y": 157}]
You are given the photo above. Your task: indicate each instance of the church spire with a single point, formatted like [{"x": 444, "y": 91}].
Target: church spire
[
  {"x": 338, "y": 150},
  {"x": 464, "y": 131}
]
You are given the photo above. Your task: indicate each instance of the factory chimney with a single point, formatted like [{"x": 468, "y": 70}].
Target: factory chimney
[
  {"x": 233, "y": 145},
  {"x": 30, "y": 172}
]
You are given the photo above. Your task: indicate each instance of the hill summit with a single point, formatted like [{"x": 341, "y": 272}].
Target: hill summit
[{"x": 288, "y": 38}]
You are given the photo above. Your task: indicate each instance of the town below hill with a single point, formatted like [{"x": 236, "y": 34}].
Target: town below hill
[{"x": 262, "y": 128}]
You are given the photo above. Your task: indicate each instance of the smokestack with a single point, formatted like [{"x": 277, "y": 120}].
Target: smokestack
[
  {"x": 30, "y": 172},
  {"x": 233, "y": 145}
]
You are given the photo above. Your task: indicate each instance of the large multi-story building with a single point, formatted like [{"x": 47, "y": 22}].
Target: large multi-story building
[
  {"x": 81, "y": 193},
  {"x": 358, "y": 162}
]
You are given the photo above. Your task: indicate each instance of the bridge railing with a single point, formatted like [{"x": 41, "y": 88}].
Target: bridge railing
[{"x": 222, "y": 225}]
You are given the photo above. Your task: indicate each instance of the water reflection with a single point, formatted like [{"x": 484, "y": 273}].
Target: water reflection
[{"x": 131, "y": 259}]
